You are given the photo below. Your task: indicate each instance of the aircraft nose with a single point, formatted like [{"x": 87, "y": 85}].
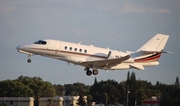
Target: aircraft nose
[{"x": 19, "y": 47}]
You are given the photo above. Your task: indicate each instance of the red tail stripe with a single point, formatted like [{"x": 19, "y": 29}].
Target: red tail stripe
[{"x": 149, "y": 58}]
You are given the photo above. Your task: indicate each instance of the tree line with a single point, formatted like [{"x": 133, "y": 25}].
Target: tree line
[
  {"x": 106, "y": 92},
  {"x": 26, "y": 87}
]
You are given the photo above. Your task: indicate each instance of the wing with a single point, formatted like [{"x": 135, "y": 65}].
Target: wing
[{"x": 105, "y": 63}]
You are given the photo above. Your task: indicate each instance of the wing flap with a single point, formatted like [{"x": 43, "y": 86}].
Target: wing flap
[{"x": 105, "y": 63}]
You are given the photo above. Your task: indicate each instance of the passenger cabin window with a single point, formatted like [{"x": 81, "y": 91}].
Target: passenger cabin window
[
  {"x": 65, "y": 47},
  {"x": 70, "y": 48},
  {"x": 40, "y": 42},
  {"x": 75, "y": 49}
]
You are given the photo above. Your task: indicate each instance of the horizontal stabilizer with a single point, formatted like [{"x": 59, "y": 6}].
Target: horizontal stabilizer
[
  {"x": 168, "y": 52},
  {"x": 139, "y": 67}
]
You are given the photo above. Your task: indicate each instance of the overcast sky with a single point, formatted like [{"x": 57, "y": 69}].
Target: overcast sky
[{"x": 119, "y": 24}]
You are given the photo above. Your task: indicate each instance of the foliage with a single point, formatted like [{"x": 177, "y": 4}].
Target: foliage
[
  {"x": 81, "y": 100},
  {"x": 89, "y": 98},
  {"x": 50, "y": 101},
  {"x": 59, "y": 90},
  {"x": 108, "y": 91},
  {"x": 10, "y": 88},
  {"x": 171, "y": 95},
  {"x": 177, "y": 82},
  {"x": 40, "y": 87},
  {"x": 26, "y": 87},
  {"x": 71, "y": 89},
  {"x": 3, "y": 104}
]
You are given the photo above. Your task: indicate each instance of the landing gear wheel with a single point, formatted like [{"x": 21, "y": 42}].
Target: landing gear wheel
[
  {"x": 29, "y": 60},
  {"x": 88, "y": 73},
  {"x": 95, "y": 72}
]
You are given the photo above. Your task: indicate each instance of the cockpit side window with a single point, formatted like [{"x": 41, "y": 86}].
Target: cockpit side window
[
  {"x": 40, "y": 42},
  {"x": 43, "y": 42}
]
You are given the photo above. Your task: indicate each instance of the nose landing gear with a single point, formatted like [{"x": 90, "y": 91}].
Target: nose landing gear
[{"x": 29, "y": 60}]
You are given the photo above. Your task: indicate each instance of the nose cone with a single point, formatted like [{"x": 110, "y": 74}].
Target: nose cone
[
  {"x": 23, "y": 49},
  {"x": 19, "y": 47}
]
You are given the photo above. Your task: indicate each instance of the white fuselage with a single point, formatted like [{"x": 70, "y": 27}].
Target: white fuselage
[
  {"x": 98, "y": 58},
  {"x": 77, "y": 53}
]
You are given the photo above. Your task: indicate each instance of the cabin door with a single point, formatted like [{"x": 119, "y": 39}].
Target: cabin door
[{"x": 56, "y": 48}]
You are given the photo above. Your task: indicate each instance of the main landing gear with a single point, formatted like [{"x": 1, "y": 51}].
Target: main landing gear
[
  {"x": 29, "y": 60},
  {"x": 89, "y": 72}
]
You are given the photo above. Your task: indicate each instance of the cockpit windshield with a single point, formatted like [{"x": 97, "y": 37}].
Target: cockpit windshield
[{"x": 40, "y": 42}]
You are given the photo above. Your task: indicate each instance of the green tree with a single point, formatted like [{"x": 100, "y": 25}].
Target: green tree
[
  {"x": 170, "y": 95},
  {"x": 89, "y": 99},
  {"x": 95, "y": 81},
  {"x": 81, "y": 100},
  {"x": 59, "y": 90},
  {"x": 27, "y": 87},
  {"x": 3, "y": 104},
  {"x": 177, "y": 82},
  {"x": 12, "y": 88},
  {"x": 39, "y": 87},
  {"x": 133, "y": 88},
  {"x": 128, "y": 78},
  {"x": 127, "y": 86},
  {"x": 114, "y": 92},
  {"x": 50, "y": 101},
  {"x": 75, "y": 88}
]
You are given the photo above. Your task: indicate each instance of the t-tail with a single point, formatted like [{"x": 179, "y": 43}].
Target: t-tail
[
  {"x": 150, "y": 52},
  {"x": 155, "y": 44}
]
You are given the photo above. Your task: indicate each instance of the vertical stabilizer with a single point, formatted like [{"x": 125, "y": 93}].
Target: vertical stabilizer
[{"x": 156, "y": 44}]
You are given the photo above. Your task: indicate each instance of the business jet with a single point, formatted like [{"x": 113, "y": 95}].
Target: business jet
[{"x": 94, "y": 58}]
